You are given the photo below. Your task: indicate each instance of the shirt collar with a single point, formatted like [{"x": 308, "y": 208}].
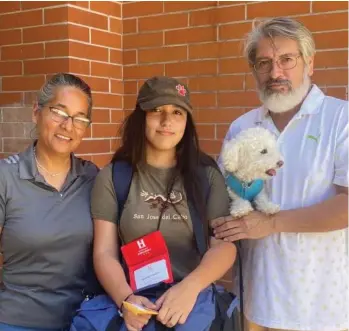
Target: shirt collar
[
  {"x": 310, "y": 105},
  {"x": 29, "y": 170}
]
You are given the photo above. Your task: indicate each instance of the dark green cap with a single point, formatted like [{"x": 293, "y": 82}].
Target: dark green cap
[{"x": 160, "y": 90}]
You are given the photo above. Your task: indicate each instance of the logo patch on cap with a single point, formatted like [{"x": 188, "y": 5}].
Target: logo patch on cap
[{"x": 181, "y": 90}]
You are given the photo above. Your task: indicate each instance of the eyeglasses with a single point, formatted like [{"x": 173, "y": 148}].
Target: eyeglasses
[
  {"x": 59, "y": 116},
  {"x": 286, "y": 62}
]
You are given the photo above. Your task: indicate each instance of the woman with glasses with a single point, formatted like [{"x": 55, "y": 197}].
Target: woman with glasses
[{"x": 45, "y": 223}]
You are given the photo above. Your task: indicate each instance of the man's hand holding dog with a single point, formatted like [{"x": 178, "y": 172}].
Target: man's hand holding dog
[{"x": 255, "y": 225}]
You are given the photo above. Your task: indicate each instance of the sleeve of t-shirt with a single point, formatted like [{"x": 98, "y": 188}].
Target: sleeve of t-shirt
[
  {"x": 103, "y": 199},
  {"x": 218, "y": 199},
  {"x": 341, "y": 151}
]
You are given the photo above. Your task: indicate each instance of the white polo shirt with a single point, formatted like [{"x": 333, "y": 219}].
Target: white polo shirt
[{"x": 299, "y": 281}]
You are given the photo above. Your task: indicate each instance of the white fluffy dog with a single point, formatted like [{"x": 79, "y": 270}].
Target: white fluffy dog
[{"x": 248, "y": 160}]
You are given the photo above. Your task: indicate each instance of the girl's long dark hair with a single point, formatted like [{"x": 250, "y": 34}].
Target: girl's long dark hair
[{"x": 189, "y": 156}]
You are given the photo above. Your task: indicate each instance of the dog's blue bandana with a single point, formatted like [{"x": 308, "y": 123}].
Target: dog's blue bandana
[{"x": 246, "y": 191}]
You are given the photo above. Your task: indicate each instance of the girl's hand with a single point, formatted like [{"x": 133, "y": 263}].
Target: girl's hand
[
  {"x": 176, "y": 303},
  {"x": 136, "y": 322}
]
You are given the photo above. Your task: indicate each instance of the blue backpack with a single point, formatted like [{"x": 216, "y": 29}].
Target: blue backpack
[{"x": 99, "y": 312}]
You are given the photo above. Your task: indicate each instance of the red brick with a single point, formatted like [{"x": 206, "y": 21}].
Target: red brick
[
  {"x": 101, "y": 160},
  {"x": 277, "y": 8},
  {"x": 325, "y": 22},
  {"x": 9, "y": 6},
  {"x": 190, "y": 35},
  {"x": 83, "y": 4},
  {"x": 142, "y": 40},
  {"x": 117, "y": 86},
  {"x": 234, "y": 65},
  {"x": 18, "y": 114},
  {"x": 129, "y": 57},
  {"x": 164, "y": 54},
  {"x": 45, "y": 33},
  {"x": 115, "y": 144},
  {"x": 109, "y": 8},
  {"x": 331, "y": 77},
  {"x": 115, "y": 25},
  {"x": 141, "y": 8},
  {"x": 22, "y": 83},
  {"x": 101, "y": 115},
  {"x": 163, "y": 22},
  {"x": 171, "y": 6},
  {"x": 231, "y": 3},
  {"x": 107, "y": 39},
  {"x": 45, "y": 66},
  {"x": 41, "y": 4},
  {"x": 129, "y": 25},
  {"x": 21, "y": 19},
  {"x": 10, "y": 98},
  {"x": 211, "y": 146},
  {"x": 144, "y": 71},
  {"x": 117, "y": 116},
  {"x": 129, "y": 101},
  {"x": 217, "y": 15},
  {"x": 94, "y": 146},
  {"x": 89, "y": 19},
  {"x": 56, "y": 15},
  {"x": 15, "y": 145},
  {"x": 97, "y": 84},
  {"x": 79, "y": 66},
  {"x": 20, "y": 130},
  {"x": 325, "y": 40},
  {"x": 130, "y": 87},
  {"x": 11, "y": 37},
  {"x": 206, "y": 131},
  {"x": 337, "y": 92},
  {"x": 90, "y": 52},
  {"x": 331, "y": 59},
  {"x": 107, "y": 100},
  {"x": 105, "y": 130},
  {"x": 22, "y": 52},
  {"x": 323, "y": 6},
  {"x": 10, "y": 68},
  {"x": 203, "y": 100},
  {"x": 191, "y": 68},
  {"x": 106, "y": 70},
  {"x": 215, "y": 50},
  {"x": 79, "y": 33},
  {"x": 219, "y": 83},
  {"x": 55, "y": 49},
  {"x": 115, "y": 56},
  {"x": 238, "y": 99},
  {"x": 222, "y": 130},
  {"x": 218, "y": 115},
  {"x": 234, "y": 31},
  {"x": 250, "y": 83}
]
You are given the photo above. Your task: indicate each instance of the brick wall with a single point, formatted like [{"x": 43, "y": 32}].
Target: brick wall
[
  {"x": 115, "y": 46},
  {"x": 38, "y": 39},
  {"x": 201, "y": 43}
]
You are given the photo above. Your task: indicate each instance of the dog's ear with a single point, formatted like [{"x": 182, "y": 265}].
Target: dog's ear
[{"x": 230, "y": 155}]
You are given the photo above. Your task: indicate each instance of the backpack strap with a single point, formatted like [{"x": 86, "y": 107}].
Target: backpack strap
[{"x": 122, "y": 174}]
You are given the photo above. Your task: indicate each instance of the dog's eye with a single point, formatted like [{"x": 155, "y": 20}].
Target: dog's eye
[{"x": 264, "y": 151}]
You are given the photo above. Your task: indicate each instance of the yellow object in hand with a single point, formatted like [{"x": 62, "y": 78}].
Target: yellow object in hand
[{"x": 138, "y": 310}]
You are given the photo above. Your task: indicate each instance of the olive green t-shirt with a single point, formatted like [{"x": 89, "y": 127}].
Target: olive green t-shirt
[{"x": 142, "y": 209}]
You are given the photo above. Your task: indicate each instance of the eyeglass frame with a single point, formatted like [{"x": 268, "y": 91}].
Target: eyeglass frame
[
  {"x": 88, "y": 122},
  {"x": 277, "y": 63}
]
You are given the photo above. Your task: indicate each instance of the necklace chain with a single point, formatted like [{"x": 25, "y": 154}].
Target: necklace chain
[{"x": 52, "y": 174}]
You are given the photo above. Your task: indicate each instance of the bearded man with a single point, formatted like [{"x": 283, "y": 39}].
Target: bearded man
[{"x": 295, "y": 263}]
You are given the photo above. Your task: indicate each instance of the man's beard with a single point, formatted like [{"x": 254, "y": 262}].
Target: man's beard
[{"x": 278, "y": 102}]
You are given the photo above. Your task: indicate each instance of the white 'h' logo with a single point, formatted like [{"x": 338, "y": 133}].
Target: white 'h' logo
[{"x": 141, "y": 244}]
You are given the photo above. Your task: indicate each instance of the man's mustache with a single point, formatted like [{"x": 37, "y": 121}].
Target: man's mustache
[{"x": 271, "y": 82}]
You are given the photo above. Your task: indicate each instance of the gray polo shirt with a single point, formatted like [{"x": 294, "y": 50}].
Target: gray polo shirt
[{"x": 46, "y": 241}]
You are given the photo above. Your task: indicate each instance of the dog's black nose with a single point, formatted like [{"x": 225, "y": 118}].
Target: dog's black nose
[{"x": 280, "y": 163}]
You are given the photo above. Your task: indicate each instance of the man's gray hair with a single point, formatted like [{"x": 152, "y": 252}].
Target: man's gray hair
[
  {"x": 48, "y": 91},
  {"x": 279, "y": 27}
]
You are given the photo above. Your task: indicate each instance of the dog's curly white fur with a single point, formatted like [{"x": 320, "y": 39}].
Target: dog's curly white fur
[{"x": 251, "y": 155}]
